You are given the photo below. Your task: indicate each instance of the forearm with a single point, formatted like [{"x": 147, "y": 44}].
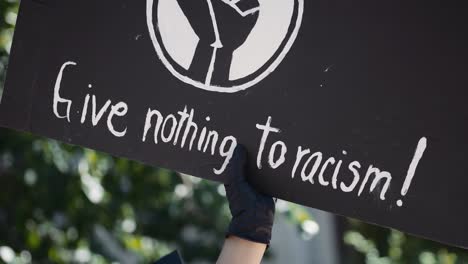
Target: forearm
[
  {"x": 201, "y": 61},
  {"x": 201, "y": 64},
  {"x": 238, "y": 250}
]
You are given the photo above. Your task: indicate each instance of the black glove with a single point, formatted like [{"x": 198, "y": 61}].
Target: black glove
[{"x": 252, "y": 212}]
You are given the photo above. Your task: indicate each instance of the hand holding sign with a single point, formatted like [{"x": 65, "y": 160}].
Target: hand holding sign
[
  {"x": 252, "y": 212},
  {"x": 222, "y": 26}
]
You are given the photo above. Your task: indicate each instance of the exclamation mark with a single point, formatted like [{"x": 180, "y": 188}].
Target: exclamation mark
[{"x": 412, "y": 168}]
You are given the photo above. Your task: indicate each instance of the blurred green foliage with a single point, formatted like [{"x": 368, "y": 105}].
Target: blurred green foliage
[
  {"x": 66, "y": 204},
  {"x": 8, "y": 13},
  {"x": 376, "y": 245}
]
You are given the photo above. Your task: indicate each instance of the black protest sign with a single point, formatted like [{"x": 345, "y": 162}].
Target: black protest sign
[{"x": 357, "y": 108}]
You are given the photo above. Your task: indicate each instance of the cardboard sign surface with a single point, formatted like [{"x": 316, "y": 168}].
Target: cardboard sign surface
[{"x": 354, "y": 107}]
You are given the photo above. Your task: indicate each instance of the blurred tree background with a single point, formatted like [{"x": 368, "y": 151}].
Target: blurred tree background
[{"x": 66, "y": 204}]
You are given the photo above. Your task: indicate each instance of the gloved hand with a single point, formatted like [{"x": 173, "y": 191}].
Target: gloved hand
[{"x": 252, "y": 212}]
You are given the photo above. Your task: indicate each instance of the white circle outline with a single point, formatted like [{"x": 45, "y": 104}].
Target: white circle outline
[{"x": 233, "y": 89}]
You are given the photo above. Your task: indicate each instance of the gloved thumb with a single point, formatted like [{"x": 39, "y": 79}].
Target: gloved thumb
[{"x": 235, "y": 171}]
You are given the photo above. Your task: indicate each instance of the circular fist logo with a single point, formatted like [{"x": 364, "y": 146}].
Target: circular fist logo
[{"x": 223, "y": 45}]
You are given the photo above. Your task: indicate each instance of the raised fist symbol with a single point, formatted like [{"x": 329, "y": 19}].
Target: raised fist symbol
[{"x": 222, "y": 26}]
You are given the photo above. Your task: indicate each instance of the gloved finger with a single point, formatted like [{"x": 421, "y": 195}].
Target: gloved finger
[{"x": 235, "y": 171}]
